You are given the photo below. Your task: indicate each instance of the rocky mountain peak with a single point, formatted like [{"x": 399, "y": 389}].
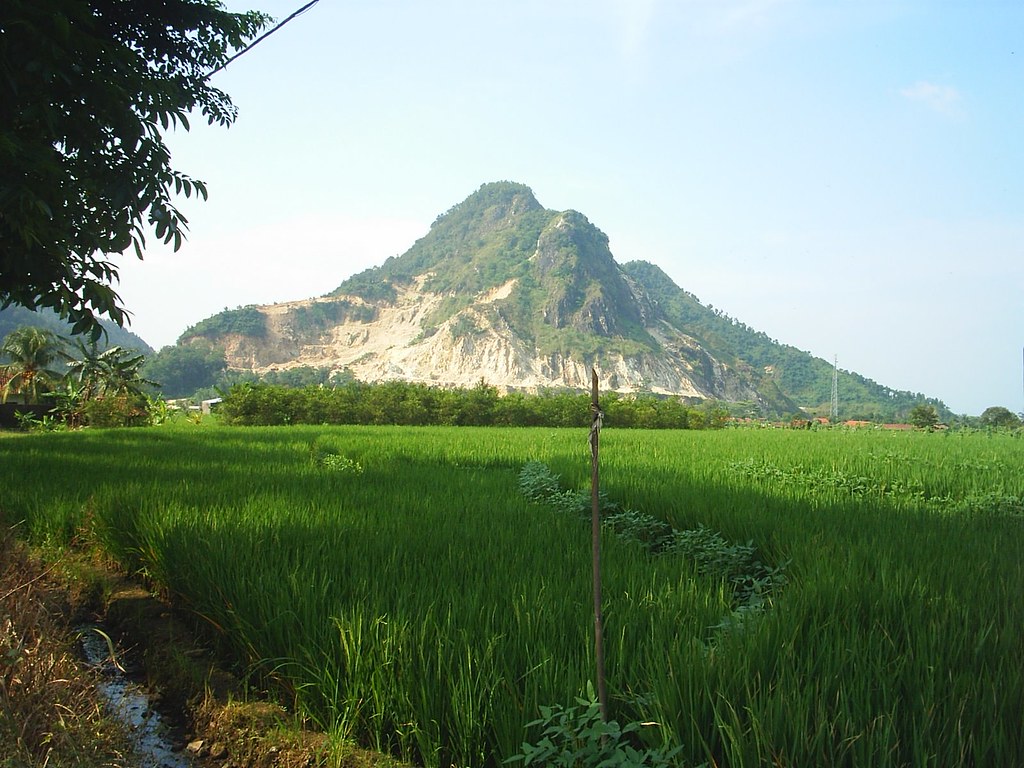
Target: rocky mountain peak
[{"x": 583, "y": 287}]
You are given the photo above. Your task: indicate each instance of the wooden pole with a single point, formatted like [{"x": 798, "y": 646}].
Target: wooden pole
[{"x": 595, "y": 432}]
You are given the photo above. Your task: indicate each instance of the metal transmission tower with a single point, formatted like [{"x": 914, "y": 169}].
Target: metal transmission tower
[{"x": 833, "y": 414}]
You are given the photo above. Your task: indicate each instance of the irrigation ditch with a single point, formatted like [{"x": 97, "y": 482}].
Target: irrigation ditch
[
  {"x": 78, "y": 639},
  {"x": 154, "y": 739},
  {"x": 181, "y": 705}
]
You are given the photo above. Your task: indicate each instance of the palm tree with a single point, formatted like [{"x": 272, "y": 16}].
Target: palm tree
[{"x": 31, "y": 352}]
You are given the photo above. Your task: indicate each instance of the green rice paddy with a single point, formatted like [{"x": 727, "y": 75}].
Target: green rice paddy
[{"x": 395, "y": 585}]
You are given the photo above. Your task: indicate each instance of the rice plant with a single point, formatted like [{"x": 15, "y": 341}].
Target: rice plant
[{"x": 397, "y": 586}]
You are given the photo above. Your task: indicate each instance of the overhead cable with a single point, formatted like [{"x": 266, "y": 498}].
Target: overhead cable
[{"x": 263, "y": 37}]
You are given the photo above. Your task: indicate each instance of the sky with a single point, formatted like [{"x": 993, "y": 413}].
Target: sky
[{"x": 847, "y": 177}]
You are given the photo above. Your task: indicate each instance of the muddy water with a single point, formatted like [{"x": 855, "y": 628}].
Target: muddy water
[{"x": 129, "y": 703}]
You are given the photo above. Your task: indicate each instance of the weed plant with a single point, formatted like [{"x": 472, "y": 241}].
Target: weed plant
[
  {"x": 713, "y": 556},
  {"x": 49, "y": 707}
]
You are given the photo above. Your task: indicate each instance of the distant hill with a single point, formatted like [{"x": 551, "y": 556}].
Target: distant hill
[
  {"x": 15, "y": 317},
  {"x": 803, "y": 378},
  {"x": 527, "y": 298}
]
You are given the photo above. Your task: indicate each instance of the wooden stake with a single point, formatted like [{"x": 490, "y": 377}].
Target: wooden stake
[{"x": 595, "y": 432}]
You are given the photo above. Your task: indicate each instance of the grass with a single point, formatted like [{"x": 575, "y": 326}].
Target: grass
[
  {"x": 49, "y": 713},
  {"x": 395, "y": 585}
]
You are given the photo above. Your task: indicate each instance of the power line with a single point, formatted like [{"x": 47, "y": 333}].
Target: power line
[{"x": 263, "y": 37}]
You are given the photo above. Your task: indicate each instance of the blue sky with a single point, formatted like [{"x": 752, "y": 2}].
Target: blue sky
[{"x": 847, "y": 177}]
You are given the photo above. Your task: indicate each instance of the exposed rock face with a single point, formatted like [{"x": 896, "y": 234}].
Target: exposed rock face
[
  {"x": 585, "y": 289},
  {"x": 393, "y": 345}
]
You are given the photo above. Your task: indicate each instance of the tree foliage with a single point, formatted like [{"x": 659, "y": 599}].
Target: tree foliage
[
  {"x": 85, "y": 383},
  {"x": 1000, "y": 416},
  {"x": 111, "y": 372},
  {"x": 87, "y": 90},
  {"x": 182, "y": 370},
  {"x": 414, "y": 404},
  {"x": 923, "y": 416}
]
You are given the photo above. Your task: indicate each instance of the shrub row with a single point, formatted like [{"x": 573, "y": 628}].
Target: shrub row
[
  {"x": 411, "y": 404},
  {"x": 752, "y": 581}
]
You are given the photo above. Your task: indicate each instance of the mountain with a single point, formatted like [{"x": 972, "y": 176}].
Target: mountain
[
  {"x": 15, "y": 317},
  {"x": 505, "y": 290}
]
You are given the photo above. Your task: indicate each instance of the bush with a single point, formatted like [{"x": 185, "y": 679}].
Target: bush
[
  {"x": 115, "y": 411},
  {"x": 537, "y": 482},
  {"x": 577, "y": 737}
]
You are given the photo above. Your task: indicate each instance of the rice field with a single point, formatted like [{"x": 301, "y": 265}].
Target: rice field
[{"x": 397, "y": 586}]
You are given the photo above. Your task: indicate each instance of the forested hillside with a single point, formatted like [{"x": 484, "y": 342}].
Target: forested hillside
[
  {"x": 801, "y": 376},
  {"x": 16, "y": 317}
]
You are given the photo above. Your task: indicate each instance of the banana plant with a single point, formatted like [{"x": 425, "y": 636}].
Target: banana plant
[{"x": 114, "y": 371}]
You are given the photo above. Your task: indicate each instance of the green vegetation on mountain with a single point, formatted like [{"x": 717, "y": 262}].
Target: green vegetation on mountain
[
  {"x": 370, "y": 284},
  {"x": 569, "y": 296},
  {"x": 805, "y": 379},
  {"x": 245, "y": 321},
  {"x": 321, "y": 315},
  {"x": 479, "y": 244},
  {"x": 15, "y": 317},
  {"x": 584, "y": 291}
]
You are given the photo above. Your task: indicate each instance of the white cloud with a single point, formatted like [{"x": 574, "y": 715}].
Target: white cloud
[{"x": 944, "y": 99}]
